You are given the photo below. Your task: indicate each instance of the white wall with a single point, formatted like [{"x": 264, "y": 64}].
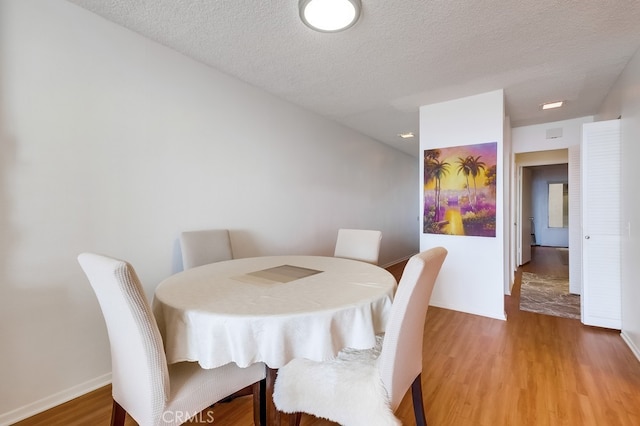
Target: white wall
[
  {"x": 114, "y": 144},
  {"x": 472, "y": 277},
  {"x": 624, "y": 100},
  {"x": 534, "y": 138},
  {"x": 531, "y": 147}
]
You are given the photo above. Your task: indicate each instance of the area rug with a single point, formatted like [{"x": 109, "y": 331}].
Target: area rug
[{"x": 548, "y": 295}]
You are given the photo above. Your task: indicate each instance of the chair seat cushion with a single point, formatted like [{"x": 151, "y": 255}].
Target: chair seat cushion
[
  {"x": 347, "y": 389},
  {"x": 194, "y": 388}
]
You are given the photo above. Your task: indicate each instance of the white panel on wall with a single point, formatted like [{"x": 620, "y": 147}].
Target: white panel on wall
[{"x": 601, "y": 296}]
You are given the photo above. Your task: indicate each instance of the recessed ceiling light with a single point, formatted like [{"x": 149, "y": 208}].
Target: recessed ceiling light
[
  {"x": 407, "y": 135},
  {"x": 329, "y": 15},
  {"x": 551, "y": 105}
]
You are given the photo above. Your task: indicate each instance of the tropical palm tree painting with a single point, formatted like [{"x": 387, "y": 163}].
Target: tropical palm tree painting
[{"x": 460, "y": 190}]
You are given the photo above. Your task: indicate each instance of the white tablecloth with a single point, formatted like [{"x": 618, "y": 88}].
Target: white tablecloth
[{"x": 221, "y": 313}]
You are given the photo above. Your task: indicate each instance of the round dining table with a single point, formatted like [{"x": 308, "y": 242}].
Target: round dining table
[{"x": 272, "y": 309}]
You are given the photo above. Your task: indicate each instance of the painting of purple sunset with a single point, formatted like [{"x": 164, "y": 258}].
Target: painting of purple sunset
[{"x": 460, "y": 190}]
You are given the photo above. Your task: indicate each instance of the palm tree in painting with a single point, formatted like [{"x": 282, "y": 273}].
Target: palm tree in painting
[
  {"x": 432, "y": 154},
  {"x": 436, "y": 169},
  {"x": 464, "y": 167},
  {"x": 475, "y": 168},
  {"x": 490, "y": 179},
  {"x": 429, "y": 156}
]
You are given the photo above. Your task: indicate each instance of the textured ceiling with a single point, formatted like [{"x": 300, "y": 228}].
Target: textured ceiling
[{"x": 403, "y": 54}]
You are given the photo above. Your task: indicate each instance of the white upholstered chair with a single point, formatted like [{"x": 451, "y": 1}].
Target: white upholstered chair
[
  {"x": 142, "y": 383},
  {"x": 358, "y": 244},
  {"x": 365, "y": 387},
  {"x": 204, "y": 247}
]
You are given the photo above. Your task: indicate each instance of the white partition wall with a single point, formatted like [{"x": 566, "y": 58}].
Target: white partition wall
[{"x": 472, "y": 278}]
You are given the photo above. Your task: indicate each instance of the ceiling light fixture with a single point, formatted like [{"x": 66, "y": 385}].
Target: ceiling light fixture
[
  {"x": 407, "y": 135},
  {"x": 329, "y": 16},
  {"x": 551, "y": 105}
]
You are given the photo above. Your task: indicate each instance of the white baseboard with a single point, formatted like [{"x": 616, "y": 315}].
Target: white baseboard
[
  {"x": 632, "y": 346},
  {"x": 51, "y": 401},
  {"x": 502, "y": 316},
  {"x": 397, "y": 261}
]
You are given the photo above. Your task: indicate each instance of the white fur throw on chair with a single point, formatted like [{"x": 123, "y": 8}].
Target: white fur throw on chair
[{"x": 347, "y": 389}]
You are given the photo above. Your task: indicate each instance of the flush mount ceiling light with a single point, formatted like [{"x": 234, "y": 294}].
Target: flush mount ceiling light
[
  {"x": 551, "y": 105},
  {"x": 329, "y": 16},
  {"x": 407, "y": 135}
]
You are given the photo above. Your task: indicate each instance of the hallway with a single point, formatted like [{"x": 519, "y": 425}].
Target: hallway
[
  {"x": 548, "y": 261},
  {"x": 544, "y": 284}
]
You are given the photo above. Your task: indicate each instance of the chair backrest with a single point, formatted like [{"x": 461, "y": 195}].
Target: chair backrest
[
  {"x": 400, "y": 359},
  {"x": 140, "y": 378},
  {"x": 204, "y": 247},
  {"x": 358, "y": 244}
]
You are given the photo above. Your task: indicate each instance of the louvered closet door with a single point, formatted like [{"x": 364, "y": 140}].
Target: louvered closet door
[{"x": 601, "y": 299}]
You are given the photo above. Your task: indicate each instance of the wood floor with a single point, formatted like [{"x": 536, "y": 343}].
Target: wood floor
[{"x": 529, "y": 370}]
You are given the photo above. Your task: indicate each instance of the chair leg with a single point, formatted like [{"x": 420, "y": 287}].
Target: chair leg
[
  {"x": 294, "y": 420},
  {"x": 291, "y": 419},
  {"x": 272, "y": 415},
  {"x": 416, "y": 397},
  {"x": 118, "y": 414},
  {"x": 259, "y": 390}
]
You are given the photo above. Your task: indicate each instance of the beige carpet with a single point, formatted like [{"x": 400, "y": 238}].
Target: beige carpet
[{"x": 548, "y": 295}]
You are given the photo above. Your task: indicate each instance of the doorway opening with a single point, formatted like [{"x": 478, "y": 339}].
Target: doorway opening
[
  {"x": 543, "y": 256},
  {"x": 544, "y": 285},
  {"x": 548, "y": 194}
]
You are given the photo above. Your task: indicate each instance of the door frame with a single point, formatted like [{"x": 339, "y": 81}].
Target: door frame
[
  {"x": 521, "y": 231},
  {"x": 546, "y": 160}
]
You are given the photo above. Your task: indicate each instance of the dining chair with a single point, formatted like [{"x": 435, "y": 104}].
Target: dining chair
[
  {"x": 358, "y": 244},
  {"x": 143, "y": 385},
  {"x": 365, "y": 387},
  {"x": 204, "y": 247}
]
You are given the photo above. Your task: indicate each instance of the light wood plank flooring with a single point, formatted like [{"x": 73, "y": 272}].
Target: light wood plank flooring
[{"x": 529, "y": 370}]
